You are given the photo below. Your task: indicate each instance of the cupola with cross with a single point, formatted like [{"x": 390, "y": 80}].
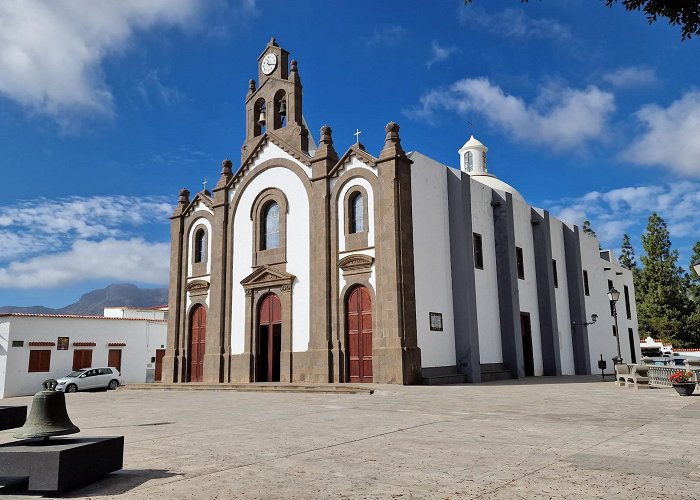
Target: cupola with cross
[{"x": 275, "y": 103}]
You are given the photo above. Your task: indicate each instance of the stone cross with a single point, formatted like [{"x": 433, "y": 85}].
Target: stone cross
[{"x": 204, "y": 183}]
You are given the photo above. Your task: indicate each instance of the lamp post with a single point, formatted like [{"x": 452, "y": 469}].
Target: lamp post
[{"x": 613, "y": 297}]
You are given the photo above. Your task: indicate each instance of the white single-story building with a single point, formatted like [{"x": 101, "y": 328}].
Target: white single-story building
[{"x": 36, "y": 347}]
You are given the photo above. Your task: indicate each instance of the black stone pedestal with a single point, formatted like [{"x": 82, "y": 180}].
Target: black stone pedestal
[
  {"x": 12, "y": 416},
  {"x": 61, "y": 462}
]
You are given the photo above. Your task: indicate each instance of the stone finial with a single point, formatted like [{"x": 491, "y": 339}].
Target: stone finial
[
  {"x": 392, "y": 143},
  {"x": 273, "y": 42},
  {"x": 251, "y": 87},
  {"x": 226, "y": 174},
  {"x": 293, "y": 66},
  {"x": 226, "y": 167},
  {"x": 184, "y": 199},
  {"x": 325, "y": 150},
  {"x": 326, "y": 135}
]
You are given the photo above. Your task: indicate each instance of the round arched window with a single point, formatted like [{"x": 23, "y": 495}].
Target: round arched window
[
  {"x": 270, "y": 230},
  {"x": 357, "y": 213}
]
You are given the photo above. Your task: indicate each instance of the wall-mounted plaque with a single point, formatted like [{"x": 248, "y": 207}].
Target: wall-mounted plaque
[
  {"x": 62, "y": 344},
  {"x": 435, "y": 322}
]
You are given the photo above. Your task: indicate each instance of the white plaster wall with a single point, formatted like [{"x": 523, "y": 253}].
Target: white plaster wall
[
  {"x": 142, "y": 337},
  {"x": 527, "y": 288},
  {"x": 431, "y": 261},
  {"x": 190, "y": 244},
  {"x": 490, "y": 348},
  {"x": 352, "y": 162},
  {"x": 4, "y": 348},
  {"x": 600, "y": 337},
  {"x": 271, "y": 151},
  {"x": 341, "y": 208},
  {"x": 561, "y": 296},
  {"x": 298, "y": 251}
]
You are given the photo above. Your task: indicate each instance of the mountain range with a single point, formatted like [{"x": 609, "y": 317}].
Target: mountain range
[{"x": 94, "y": 302}]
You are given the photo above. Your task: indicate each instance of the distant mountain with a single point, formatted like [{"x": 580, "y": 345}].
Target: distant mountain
[{"x": 93, "y": 303}]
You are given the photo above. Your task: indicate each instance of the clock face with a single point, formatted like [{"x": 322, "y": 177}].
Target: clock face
[{"x": 269, "y": 63}]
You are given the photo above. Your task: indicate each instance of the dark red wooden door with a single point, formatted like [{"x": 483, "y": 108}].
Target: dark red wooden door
[
  {"x": 359, "y": 325},
  {"x": 198, "y": 332},
  {"x": 158, "y": 375},
  {"x": 114, "y": 359},
  {"x": 269, "y": 339}
]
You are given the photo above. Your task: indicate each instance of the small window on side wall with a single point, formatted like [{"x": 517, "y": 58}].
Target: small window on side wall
[
  {"x": 200, "y": 246},
  {"x": 270, "y": 227},
  {"x": 520, "y": 263},
  {"x": 357, "y": 216},
  {"x": 478, "y": 252}
]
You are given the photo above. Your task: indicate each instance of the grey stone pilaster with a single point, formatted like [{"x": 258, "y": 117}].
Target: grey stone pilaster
[
  {"x": 577, "y": 304},
  {"x": 507, "y": 277},
  {"x": 463, "y": 279},
  {"x": 546, "y": 300}
]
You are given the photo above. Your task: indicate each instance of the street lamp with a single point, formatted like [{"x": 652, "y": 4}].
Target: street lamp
[{"x": 613, "y": 297}]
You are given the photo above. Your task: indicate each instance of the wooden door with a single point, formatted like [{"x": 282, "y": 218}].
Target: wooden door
[
  {"x": 158, "y": 376},
  {"x": 198, "y": 333},
  {"x": 82, "y": 358},
  {"x": 526, "y": 331},
  {"x": 358, "y": 307},
  {"x": 114, "y": 360},
  {"x": 269, "y": 346}
]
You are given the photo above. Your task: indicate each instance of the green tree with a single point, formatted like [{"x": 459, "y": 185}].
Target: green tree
[
  {"x": 684, "y": 13},
  {"x": 587, "y": 228},
  {"x": 662, "y": 288},
  {"x": 627, "y": 254}
]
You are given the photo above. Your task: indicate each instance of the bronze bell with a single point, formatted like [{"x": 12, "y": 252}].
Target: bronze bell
[{"x": 48, "y": 416}]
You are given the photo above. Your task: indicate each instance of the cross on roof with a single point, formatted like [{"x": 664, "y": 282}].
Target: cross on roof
[
  {"x": 357, "y": 136},
  {"x": 204, "y": 183}
]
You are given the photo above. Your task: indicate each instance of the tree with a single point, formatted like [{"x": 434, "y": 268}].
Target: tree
[
  {"x": 662, "y": 288},
  {"x": 685, "y": 13},
  {"x": 587, "y": 228},
  {"x": 627, "y": 254}
]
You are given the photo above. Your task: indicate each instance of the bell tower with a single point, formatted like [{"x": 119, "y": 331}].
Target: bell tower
[{"x": 275, "y": 104}]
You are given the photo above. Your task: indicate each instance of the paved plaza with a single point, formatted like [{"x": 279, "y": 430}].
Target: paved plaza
[{"x": 544, "y": 438}]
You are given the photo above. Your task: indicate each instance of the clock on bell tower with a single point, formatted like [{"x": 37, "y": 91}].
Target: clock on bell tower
[{"x": 275, "y": 105}]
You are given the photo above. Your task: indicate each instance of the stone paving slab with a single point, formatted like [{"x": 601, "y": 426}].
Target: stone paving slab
[{"x": 544, "y": 438}]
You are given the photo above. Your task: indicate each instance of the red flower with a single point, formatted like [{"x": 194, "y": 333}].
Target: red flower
[{"x": 680, "y": 376}]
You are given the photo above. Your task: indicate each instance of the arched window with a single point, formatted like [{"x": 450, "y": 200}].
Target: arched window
[
  {"x": 357, "y": 216},
  {"x": 200, "y": 246},
  {"x": 470, "y": 161},
  {"x": 270, "y": 227}
]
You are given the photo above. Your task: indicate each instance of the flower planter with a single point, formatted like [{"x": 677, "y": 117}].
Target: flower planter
[{"x": 684, "y": 388}]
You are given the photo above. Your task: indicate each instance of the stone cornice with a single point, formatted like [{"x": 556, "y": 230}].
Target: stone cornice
[
  {"x": 266, "y": 276},
  {"x": 197, "y": 287}
]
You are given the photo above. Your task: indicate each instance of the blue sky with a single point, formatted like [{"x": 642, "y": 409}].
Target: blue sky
[{"x": 108, "y": 108}]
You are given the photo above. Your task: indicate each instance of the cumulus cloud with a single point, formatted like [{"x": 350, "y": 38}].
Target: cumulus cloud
[
  {"x": 670, "y": 137},
  {"x": 631, "y": 76},
  {"x": 514, "y": 23},
  {"x": 438, "y": 53},
  {"x": 614, "y": 212},
  {"x": 51, "y": 51},
  {"x": 560, "y": 118},
  {"x": 122, "y": 260},
  {"x": 386, "y": 35}
]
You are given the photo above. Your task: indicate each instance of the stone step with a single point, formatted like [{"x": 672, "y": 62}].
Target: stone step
[
  {"x": 453, "y": 378},
  {"x": 495, "y": 371},
  {"x": 254, "y": 387}
]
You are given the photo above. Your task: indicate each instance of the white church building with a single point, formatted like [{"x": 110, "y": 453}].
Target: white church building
[{"x": 306, "y": 265}]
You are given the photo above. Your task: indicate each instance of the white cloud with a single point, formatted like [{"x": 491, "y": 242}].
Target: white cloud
[
  {"x": 670, "y": 138},
  {"x": 560, "y": 118},
  {"x": 119, "y": 260},
  {"x": 438, "y": 53},
  {"x": 386, "y": 35},
  {"x": 514, "y": 23},
  {"x": 631, "y": 76},
  {"x": 46, "y": 225},
  {"x": 614, "y": 212},
  {"x": 51, "y": 51}
]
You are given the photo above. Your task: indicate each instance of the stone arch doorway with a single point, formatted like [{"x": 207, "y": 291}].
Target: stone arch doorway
[
  {"x": 198, "y": 334},
  {"x": 269, "y": 339},
  {"x": 358, "y": 321}
]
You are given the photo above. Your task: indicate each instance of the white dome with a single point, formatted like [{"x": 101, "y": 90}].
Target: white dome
[
  {"x": 495, "y": 183},
  {"x": 473, "y": 143}
]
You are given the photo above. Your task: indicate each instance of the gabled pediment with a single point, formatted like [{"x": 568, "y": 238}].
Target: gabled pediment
[
  {"x": 197, "y": 287},
  {"x": 203, "y": 197},
  {"x": 354, "y": 150},
  {"x": 356, "y": 262},
  {"x": 266, "y": 276}
]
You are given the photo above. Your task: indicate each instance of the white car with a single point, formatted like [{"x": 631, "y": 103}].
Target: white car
[{"x": 89, "y": 378}]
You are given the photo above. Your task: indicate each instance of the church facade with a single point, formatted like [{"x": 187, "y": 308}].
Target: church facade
[{"x": 305, "y": 265}]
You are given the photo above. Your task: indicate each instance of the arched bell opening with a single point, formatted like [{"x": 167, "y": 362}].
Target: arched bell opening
[{"x": 280, "y": 109}]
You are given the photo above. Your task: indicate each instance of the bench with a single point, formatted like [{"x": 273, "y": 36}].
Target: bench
[{"x": 632, "y": 375}]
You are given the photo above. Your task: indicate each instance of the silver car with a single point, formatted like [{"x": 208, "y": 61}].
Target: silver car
[{"x": 90, "y": 378}]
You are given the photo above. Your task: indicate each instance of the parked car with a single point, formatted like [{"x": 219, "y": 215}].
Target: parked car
[{"x": 90, "y": 378}]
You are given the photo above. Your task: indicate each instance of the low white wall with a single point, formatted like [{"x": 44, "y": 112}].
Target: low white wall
[{"x": 141, "y": 337}]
